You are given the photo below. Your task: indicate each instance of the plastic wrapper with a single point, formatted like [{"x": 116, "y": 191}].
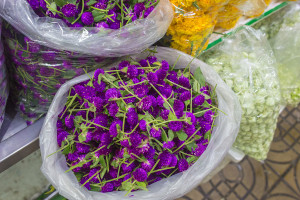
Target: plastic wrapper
[
  {"x": 246, "y": 63},
  {"x": 192, "y": 25},
  {"x": 223, "y": 136},
  {"x": 36, "y": 71},
  {"x": 3, "y": 81},
  {"x": 279, "y": 27},
  {"x": 54, "y": 33},
  {"x": 230, "y": 14}
]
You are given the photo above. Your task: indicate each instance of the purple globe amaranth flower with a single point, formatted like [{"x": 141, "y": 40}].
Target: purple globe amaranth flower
[
  {"x": 89, "y": 136},
  {"x": 69, "y": 10},
  {"x": 113, "y": 109},
  {"x": 173, "y": 77},
  {"x": 168, "y": 145},
  {"x": 161, "y": 75},
  {"x": 160, "y": 101},
  {"x": 73, "y": 156},
  {"x": 148, "y": 164},
  {"x": 98, "y": 103},
  {"x": 129, "y": 100},
  {"x": 102, "y": 120},
  {"x": 103, "y": 150},
  {"x": 101, "y": 25},
  {"x": 35, "y": 4},
  {"x": 77, "y": 25},
  {"x": 208, "y": 116},
  {"x": 113, "y": 127},
  {"x": 185, "y": 82},
  {"x": 124, "y": 143},
  {"x": 140, "y": 175},
  {"x": 143, "y": 125},
  {"x": 132, "y": 71},
  {"x": 97, "y": 73},
  {"x": 113, "y": 16},
  {"x": 82, "y": 148},
  {"x": 174, "y": 161},
  {"x": 49, "y": 56},
  {"x": 205, "y": 127},
  {"x": 183, "y": 165},
  {"x": 59, "y": 124},
  {"x": 61, "y": 136},
  {"x": 154, "y": 132},
  {"x": 143, "y": 63},
  {"x": 69, "y": 121},
  {"x": 144, "y": 146},
  {"x": 139, "y": 8},
  {"x": 132, "y": 117},
  {"x": 135, "y": 139},
  {"x": 105, "y": 139},
  {"x": 189, "y": 129},
  {"x": 87, "y": 18},
  {"x": 148, "y": 11},
  {"x": 151, "y": 59},
  {"x": 112, "y": 93},
  {"x": 100, "y": 5},
  {"x": 150, "y": 153},
  {"x": 123, "y": 64},
  {"x": 186, "y": 95},
  {"x": 115, "y": 24},
  {"x": 83, "y": 180},
  {"x": 153, "y": 99},
  {"x": 198, "y": 100},
  {"x": 178, "y": 105},
  {"x": 127, "y": 167},
  {"x": 192, "y": 117},
  {"x": 152, "y": 77},
  {"x": 199, "y": 150},
  {"x": 165, "y": 114},
  {"x": 92, "y": 172},
  {"x": 145, "y": 104},
  {"x": 164, "y": 64},
  {"x": 108, "y": 187},
  {"x": 43, "y": 5},
  {"x": 141, "y": 90},
  {"x": 165, "y": 159}
]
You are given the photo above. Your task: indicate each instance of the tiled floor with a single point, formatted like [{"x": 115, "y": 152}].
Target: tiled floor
[{"x": 278, "y": 178}]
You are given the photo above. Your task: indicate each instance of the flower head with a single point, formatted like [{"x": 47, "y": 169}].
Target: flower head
[
  {"x": 186, "y": 95},
  {"x": 140, "y": 175},
  {"x": 69, "y": 10},
  {"x": 183, "y": 165},
  {"x": 143, "y": 125},
  {"x": 108, "y": 187},
  {"x": 87, "y": 18},
  {"x": 152, "y": 77},
  {"x": 165, "y": 114},
  {"x": 148, "y": 164},
  {"x": 69, "y": 121},
  {"x": 132, "y": 117},
  {"x": 168, "y": 145},
  {"x": 113, "y": 109},
  {"x": 198, "y": 100},
  {"x": 145, "y": 103},
  {"x": 132, "y": 71},
  {"x": 82, "y": 148},
  {"x": 112, "y": 93},
  {"x": 154, "y": 132}
]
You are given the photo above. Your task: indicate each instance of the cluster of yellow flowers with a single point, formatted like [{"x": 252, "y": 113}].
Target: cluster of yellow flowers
[{"x": 195, "y": 20}]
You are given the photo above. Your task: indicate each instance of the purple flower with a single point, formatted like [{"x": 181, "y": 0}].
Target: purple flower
[
  {"x": 102, "y": 120},
  {"x": 83, "y": 180},
  {"x": 69, "y": 121},
  {"x": 160, "y": 101},
  {"x": 199, "y": 150},
  {"x": 69, "y": 10},
  {"x": 198, "y": 100},
  {"x": 143, "y": 125},
  {"x": 144, "y": 146},
  {"x": 132, "y": 71},
  {"x": 141, "y": 90},
  {"x": 150, "y": 153},
  {"x": 123, "y": 64},
  {"x": 113, "y": 16},
  {"x": 135, "y": 139},
  {"x": 35, "y": 4},
  {"x": 113, "y": 128},
  {"x": 92, "y": 173},
  {"x": 132, "y": 117},
  {"x": 105, "y": 139},
  {"x": 168, "y": 145},
  {"x": 161, "y": 75},
  {"x": 140, "y": 175},
  {"x": 178, "y": 105},
  {"x": 165, "y": 159},
  {"x": 43, "y": 5},
  {"x": 100, "y": 5},
  {"x": 192, "y": 116},
  {"x": 189, "y": 129},
  {"x": 125, "y": 143},
  {"x": 103, "y": 150},
  {"x": 112, "y": 93},
  {"x": 208, "y": 116},
  {"x": 61, "y": 136},
  {"x": 82, "y": 148},
  {"x": 185, "y": 82},
  {"x": 205, "y": 127},
  {"x": 152, "y": 59},
  {"x": 183, "y": 165},
  {"x": 126, "y": 167},
  {"x": 165, "y": 114},
  {"x": 156, "y": 133},
  {"x": 152, "y": 77},
  {"x": 115, "y": 25},
  {"x": 148, "y": 165},
  {"x": 101, "y": 25},
  {"x": 77, "y": 25},
  {"x": 129, "y": 100},
  {"x": 143, "y": 63},
  {"x": 113, "y": 109},
  {"x": 186, "y": 95},
  {"x": 145, "y": 103},
  {"x": 174, "y": 161},
  {"x": 108, "y": 187},
  {"x": 73, "y": 156},
  {"x": 139, "y": 8},
  {"x": 164, "y": 64},
  {"x": 87, "y": 18},
  {"x": 97, "y": 73}
]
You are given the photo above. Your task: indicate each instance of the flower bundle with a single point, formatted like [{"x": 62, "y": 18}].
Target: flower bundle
[
  {"x": 37, "y": 72},
  {"x": 192, "y": 25},
  {"x": 246, "y": 63},
  {"x": 3, "y": 81},
  {"x": 136, "y": 124},
  {"x": 93, "y": 13}
]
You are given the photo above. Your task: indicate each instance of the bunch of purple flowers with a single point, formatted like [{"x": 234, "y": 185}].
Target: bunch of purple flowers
[
  {"x": 94, "y": 13},
  {"x": 135, "y": 124},
  {"x": 37, "y": 72}
]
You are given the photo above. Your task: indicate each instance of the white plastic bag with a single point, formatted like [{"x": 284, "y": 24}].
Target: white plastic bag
[
  {"x": 223, "y": 136},
  {"x": 53, "y": 33},
  {"x": 3, "y": 81}
]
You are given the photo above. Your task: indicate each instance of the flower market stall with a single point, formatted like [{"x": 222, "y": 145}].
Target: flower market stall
[{"x": 134, "y": 99}]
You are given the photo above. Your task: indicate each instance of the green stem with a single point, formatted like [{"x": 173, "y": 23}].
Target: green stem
[
  {"x": 79, "y": 16},
  {"x": 185, "y": 142},
  {"x": 163, "y": 97}
]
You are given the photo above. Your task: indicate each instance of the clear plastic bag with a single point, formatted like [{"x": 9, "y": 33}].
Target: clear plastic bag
[
  {"x": 246, "y": 63},
  {"x": 223, "y": 136},
  {"x": 286, "y": 47},
  {"x": 3, "y": 81},
  {"x": 53, "y": 33},
  {"x": 36, "y": 72}
]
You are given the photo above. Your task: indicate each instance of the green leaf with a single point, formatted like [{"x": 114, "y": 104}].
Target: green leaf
[
  {"x": 78, "y": 176},
  {"x": 60, "y": 3},
  {"x": 166, "y": 105},
  {"x": 102, "y": 173},
  {"x": 141, "y": 185},
  {"x": 196, "y": 86},
  {"x": 95, "y": 163},
  {"x": 120, "y": 115},
  {"x": 205, "y": 105},
  {"x": 91, "y": 2},
  {"x": 191, "y": 146},
  {"x": 66, "y": 150},
  {"x": 100, "y": 17},
  {"x": 53, "y": 6},
  {"x": 172, "y": 116},
  {"x": 94, "y": 188},
  {"x": 197, "y": 137},
  {"x": 126, "y": 186},
  {"x": 164, "y": 136},
  {"x": 124, "y": 70},
  {"x": 182, "y": 136},
  {"x": 110, "y": 77},
  {"x": 171, "y": 135},
  {"x": 199, "y": 76},
  {"x": 207, "y": 135},
  {"x": 171, "y": 101},
  {"x": 82, "y": 137},
  {"x": 69, "y": 74},
  {"x": 191, "y": 159},
  {"x": 102, "y": 161}
]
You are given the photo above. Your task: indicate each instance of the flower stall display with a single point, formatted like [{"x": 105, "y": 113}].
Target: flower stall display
[
  {"x": 160, "y": 121},
  {"x": 3, "y": 81},
  {"x": 246, "y": 63},
  {"x": 282, "y": 31},
  {"x": 49, "y": 42}
]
